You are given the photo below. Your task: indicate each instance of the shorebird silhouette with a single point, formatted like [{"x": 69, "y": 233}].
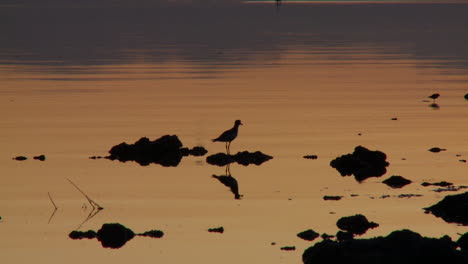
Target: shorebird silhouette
[
  {"x": 434, "y": 97},
  {"x": 229, "y": 135}
]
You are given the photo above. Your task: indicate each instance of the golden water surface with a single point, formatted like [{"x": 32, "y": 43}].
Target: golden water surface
[{"x": 300, "y": 83}]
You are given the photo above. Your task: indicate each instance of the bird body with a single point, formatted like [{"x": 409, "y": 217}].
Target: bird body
[
  {"x": 229, "y": 135},
  {"x": 434, "y": 96},
  {"x": 231, "y": 182}
]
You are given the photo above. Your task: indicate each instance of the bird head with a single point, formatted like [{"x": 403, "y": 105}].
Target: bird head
[{"x": 238, "y": 122}]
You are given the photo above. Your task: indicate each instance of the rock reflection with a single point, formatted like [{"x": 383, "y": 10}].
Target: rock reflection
[
  {"x": 113, "y": 235},
  {"x": 229, "y": 181},
  {"x": 245, "y": 158}
]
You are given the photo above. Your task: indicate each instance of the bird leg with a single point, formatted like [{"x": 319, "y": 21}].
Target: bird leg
[{"x": 229, "y": 148}]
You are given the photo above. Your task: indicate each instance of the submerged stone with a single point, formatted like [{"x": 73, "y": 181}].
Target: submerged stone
[
  {"x": 397, "y": 181},
  {"x": 216, "y": 230},
  {"x": 153, "y": 233},
  {"x": 308, "y": 235},
  {"x": 90, "y": 234},
  {"x": 453, "y": 209},
  {"x": 362, "y": 163}
]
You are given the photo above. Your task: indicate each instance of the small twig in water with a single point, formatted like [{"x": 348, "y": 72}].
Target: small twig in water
[
  {"x": 91, "y": 202},
  {"x": 55, "y": 207}
]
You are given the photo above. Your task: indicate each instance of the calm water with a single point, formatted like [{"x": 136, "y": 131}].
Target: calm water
[{"x": 304, "y": 79}]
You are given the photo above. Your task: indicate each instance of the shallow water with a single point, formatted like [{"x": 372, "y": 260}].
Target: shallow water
[{"x": 304, "y": 79}]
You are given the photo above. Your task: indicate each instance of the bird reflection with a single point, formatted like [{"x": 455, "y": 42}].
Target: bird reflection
[
  {"x": 434, "y": 106},
  {"x": 230, "y": 182}
]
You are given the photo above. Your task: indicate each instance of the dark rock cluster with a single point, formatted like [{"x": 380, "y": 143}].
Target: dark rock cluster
[
  {"x": 362, "y": 163},
  {"x": 403, "y": 246},
  {"x": 166, "y": 151},
  {"x": 113, "y": 235}
]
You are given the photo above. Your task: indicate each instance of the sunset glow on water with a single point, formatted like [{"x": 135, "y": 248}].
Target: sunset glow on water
[{"x": 76, "y": 80}]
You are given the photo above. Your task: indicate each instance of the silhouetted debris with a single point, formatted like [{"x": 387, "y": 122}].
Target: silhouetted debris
[
  {"x": 96, "y": 157},
  {"x": 403, "y": 246},
  {"x": 90, "y": 234},
  {"x": 409, "y": 195},
  {"x": 450, "y": 189},
  {"x": 396, "y": 181},
  {"x": 436, "y": 149},
  {"x": 466, "y": 96},
  {"x": 331, "y": 197},
  {"x": 153, "y": 234},
  {"x": 356, "y": 224},
  {"x": 273, "y": 243},
  {"x": 231, "y": 182},
  {"x": 344, "y": 236},
  {"x": 40, "y": 157},
  {"x": 244, "y": 158},
  {"x": 462, "y": 242},
  {"x": 394, "y": 118},
  {"x": 216, "y": 230},
  {"x": 166, "y": 150},
  {"x": 462, "y": 160},
  {"x": 308, "y": 235},
  {"x": 20, "y": 158},
  {"x": 288, "y": 248},
  {"x": 441, "y": 184},
  {"x": 114, "y": 235},
  {"x": 362, "y": 163},
  {"x": 453, "y": 208},
  {"x": 310, "y": 157}
]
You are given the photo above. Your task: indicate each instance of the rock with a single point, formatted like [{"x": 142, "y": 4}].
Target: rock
[
  {"x": 40, "y": 157},
  {"x": 362, "y": 163},
  {"x": 308, "y": 235},
  {"x": 326, "y": 236},
  {"x": 153, "y": 234},
  {"x": 288, "y": 248},
  {"x": 333, "y": 198},
  {"x": 453, "y": 209},
  {"x": 90, "y": 234},
  {"x": 216, "y": 230},
  {"x": 310, "y": 157},
  {"x": 198, "y": 151},
  {"x": 356, "y": 224},
  {"x": 462, "y": 242},
  {"x": 409, "y": 195},
  {"x": 394, "y": 118},
  {"x": 396, "y": 181},
  {"x": 114, "y": 235},
  {"x": 244, "y": 158},
  {"x": 20, "y": 158},
  {"x": 441, "y": 184},
  {"x": 466, "y": 96},
  {"x": 436, "y": 149},
  {"x": 166, "y": 151},
  {"x": 344, "y": 236},
  {"x": 402, "y": 246}
]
